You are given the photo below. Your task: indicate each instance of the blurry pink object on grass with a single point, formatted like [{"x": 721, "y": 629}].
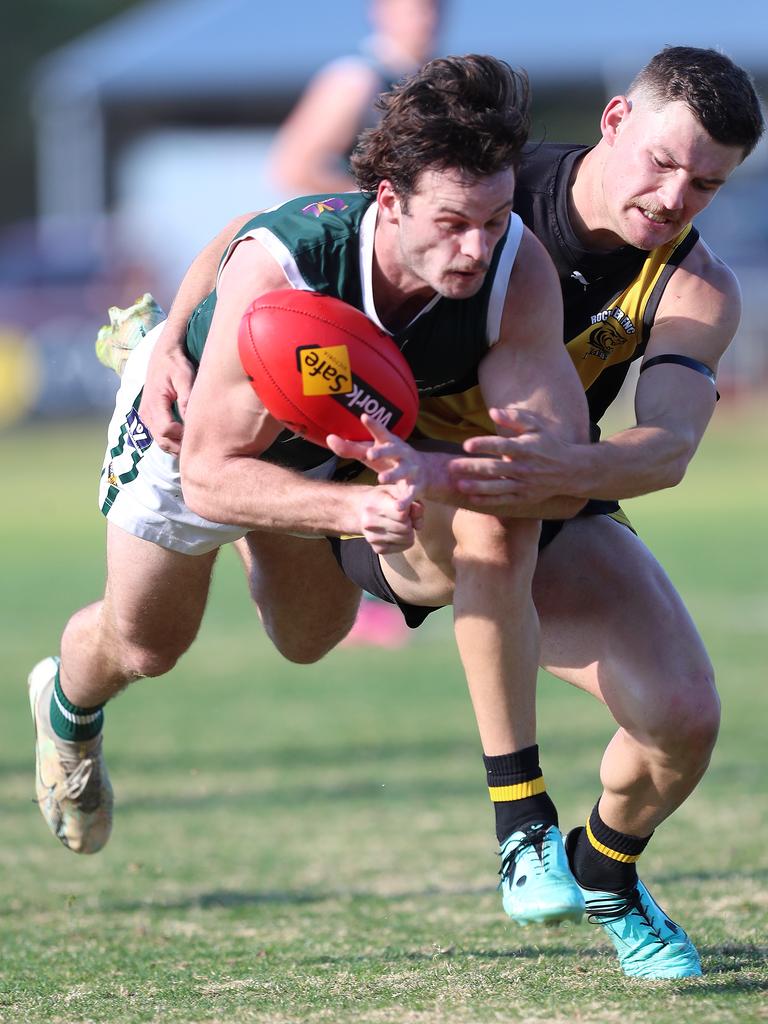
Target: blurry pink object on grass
[{"x": 378, "y": 624}]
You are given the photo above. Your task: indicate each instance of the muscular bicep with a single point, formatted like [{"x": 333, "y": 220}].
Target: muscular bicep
[
  {"x": 697, "y": 319},
  {"x": 225, "y": 418},
  {"x": 529, "y": 366},
  {"x": 699, "y": 311}
]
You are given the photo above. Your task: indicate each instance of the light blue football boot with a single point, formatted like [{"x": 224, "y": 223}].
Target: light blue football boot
[
  {"x": 537, "y": 886},
  {"x": 650, "y": 945}
]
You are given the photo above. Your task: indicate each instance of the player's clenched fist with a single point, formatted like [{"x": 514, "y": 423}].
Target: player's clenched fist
[{"x": 389, "y": 518}]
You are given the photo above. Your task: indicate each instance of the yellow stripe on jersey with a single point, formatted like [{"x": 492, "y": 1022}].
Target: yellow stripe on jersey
[
  {"x": 617, "y": 330},
  {"x": 519, "y": 791},
  {"x": 455, "y": 417},
  {"x": 624, "y": 858},
  {"x": 613, "y": 337}
]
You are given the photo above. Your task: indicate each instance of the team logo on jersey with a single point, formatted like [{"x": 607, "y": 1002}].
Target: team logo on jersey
[
  {"x": 604, "y": 339},
  {"x": 330, "y": 205},
  {"x": 614, "y": 313},
  {"x": 137, "y": 435},
  {"x": 324, "y": 370}
]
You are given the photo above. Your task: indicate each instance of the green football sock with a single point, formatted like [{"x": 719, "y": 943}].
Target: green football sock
[{"x": 71, "y": 722}]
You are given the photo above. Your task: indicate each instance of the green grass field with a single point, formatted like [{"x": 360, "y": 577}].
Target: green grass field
[{"x": 316, "y": 844}]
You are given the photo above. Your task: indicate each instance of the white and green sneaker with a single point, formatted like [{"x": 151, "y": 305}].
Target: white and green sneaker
[
  {"x": 537, "y": 886},
  {"x": 73, "y": 789},
  {"x": 650, "y": 945},
  {"x": 126, "y": 328}
]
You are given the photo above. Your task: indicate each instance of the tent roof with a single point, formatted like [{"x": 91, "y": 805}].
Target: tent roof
[{"x": 189, "y": 48}]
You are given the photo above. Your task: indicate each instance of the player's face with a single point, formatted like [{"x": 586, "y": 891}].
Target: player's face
[
  {"x": 451, "y": 227},
  {"x": 662, "y": 169}
]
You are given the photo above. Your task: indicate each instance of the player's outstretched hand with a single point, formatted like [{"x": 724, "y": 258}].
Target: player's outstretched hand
[
  {"x": 392, "y": 459},
  {"x": 524, "y": 463},
  {"x": 169, "y": 380}
]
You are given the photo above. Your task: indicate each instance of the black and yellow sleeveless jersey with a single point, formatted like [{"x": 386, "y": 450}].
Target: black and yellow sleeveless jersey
[
  {"x": 325, "y": 244},
  {"x": 610, "y": 298}
]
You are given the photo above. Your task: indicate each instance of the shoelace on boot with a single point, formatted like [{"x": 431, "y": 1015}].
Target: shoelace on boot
[
  {"x": 509, "y": 859},
  {"x": 83, "y": 778},
  {"x": 620, "y": 906}
]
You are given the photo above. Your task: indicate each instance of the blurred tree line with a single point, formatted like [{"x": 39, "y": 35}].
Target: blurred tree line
[{"x": 30, "y": 30}]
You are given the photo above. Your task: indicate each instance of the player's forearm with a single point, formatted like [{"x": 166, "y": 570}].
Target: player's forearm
[
  {"x": 259, "y": 496},
  {"x": 437, "y": 482},
  {"x": 442, "y": 486},
  {"x": 636, "y": 461}
]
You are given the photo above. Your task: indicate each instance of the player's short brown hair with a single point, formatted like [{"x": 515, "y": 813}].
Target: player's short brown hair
[
  {"x": 720, "y": 93},
  {"x": 465, "y": 113}
]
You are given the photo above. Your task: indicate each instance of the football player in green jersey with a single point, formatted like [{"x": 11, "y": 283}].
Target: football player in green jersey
[{"x": 432, "y": 252}]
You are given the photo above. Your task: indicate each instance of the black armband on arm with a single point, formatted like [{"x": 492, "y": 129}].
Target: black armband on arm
[{"x": 692, "y": 364}]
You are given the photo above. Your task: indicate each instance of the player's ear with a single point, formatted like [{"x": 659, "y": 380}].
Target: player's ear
[
  {"x": 614, "y": 116},
  {"x": 388, "y": 201}
]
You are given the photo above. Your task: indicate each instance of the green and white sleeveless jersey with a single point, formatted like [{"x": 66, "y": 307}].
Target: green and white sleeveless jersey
[{"x": 325, "y": 244}]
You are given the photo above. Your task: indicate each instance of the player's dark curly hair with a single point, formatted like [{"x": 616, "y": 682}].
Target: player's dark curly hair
[
  {"x": 465, "y": 113},
  {"x": 719, "y": 92}
]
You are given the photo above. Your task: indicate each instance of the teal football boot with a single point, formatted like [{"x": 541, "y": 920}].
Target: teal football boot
[
  {"x": 650, "y": 945},
  {"x": 537, "y": 886}
]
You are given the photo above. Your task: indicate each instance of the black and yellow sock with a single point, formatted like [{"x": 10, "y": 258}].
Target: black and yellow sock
[
  {"x": 606, "y": 859},
  {"x": 71, "y": 722},
  {"x": 517, "y": 789}
]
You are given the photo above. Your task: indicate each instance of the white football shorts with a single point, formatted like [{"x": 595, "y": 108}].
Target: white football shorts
[{"x": 140, "y": 487}]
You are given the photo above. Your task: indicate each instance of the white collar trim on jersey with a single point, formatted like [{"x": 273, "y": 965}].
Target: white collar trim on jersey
[{"x": 367, "y": 232}]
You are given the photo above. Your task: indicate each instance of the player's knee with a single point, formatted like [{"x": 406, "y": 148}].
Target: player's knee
[
  {"x": 700, "y": 724},
  {"x": 306, "y": 646},
  {"x": 305, "y": 652},
  {"x": 306, "y": 655},
  {"x": 147, "y": 661},
  {"x": 688, "y": 722}
]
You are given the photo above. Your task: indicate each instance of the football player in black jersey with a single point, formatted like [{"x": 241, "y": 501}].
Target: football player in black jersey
[{"x": 638, "y": 283}]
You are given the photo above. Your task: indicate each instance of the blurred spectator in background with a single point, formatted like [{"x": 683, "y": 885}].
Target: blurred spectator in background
[
  {"x": 312, "y": 149},
  {"x": 311, "y": 155}
]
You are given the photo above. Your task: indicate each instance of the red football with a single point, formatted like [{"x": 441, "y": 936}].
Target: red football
[{"x": 318, "y": 364}]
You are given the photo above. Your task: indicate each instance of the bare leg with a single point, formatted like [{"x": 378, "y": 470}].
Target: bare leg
[
  {"x": 305, "y": 602},
  {"x": 149, "y": 616},
  {"x": 613, "y": 625},
  {"x": 483, "y": 566},
  {"x": 497, "y": 629}
]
